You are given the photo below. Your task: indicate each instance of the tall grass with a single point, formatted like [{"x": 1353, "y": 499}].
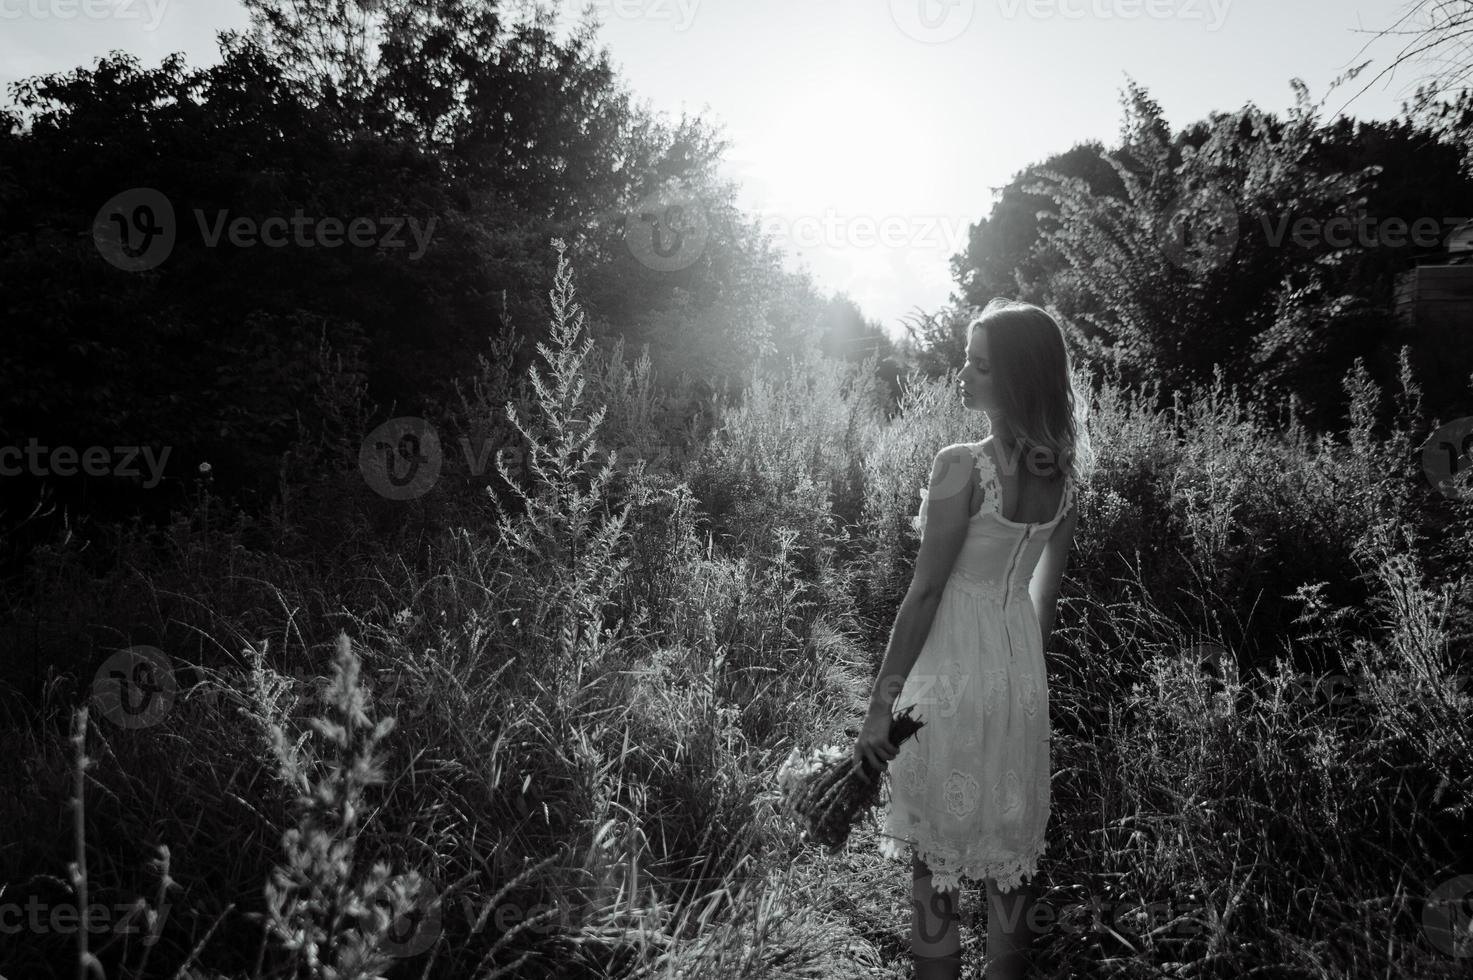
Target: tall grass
[{"x": 536, "y": 733}]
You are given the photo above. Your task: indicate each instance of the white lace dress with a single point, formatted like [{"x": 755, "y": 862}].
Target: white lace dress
[{"x": 969, "y": 793}]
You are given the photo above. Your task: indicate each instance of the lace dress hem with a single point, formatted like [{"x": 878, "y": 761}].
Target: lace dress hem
[{"x": 949, "y": 863}]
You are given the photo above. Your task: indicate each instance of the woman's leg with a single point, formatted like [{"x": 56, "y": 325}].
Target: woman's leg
[
  {"x": 935, "y": 938},
  {"x": 1009, "y": 932}
]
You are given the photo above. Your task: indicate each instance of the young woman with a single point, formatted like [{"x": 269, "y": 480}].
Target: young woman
[{"x": 969, "y": 795}]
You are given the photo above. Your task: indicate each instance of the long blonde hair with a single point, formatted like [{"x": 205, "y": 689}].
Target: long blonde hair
[{"x": 1035, "y": 384}]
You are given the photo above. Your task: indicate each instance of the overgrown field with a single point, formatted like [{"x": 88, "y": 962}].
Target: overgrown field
[{"x": 1261, "y": 728}]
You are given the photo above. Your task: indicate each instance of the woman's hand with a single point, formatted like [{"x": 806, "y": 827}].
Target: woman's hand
[{"x": 873, "y": 745}]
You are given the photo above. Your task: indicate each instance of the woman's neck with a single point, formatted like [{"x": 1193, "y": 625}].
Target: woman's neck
[{"x": 1002, "y": 431}]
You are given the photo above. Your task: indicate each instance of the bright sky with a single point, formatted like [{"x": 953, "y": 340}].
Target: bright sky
[{"x": 870, "y": 133}]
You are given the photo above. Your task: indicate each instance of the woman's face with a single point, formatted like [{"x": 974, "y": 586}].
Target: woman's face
[{"x": 976, "y": 375}]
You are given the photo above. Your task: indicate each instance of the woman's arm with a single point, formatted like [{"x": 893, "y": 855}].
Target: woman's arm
[
  {"x": 1044, "y": 586},
  {"x": 947, "y": 500}
]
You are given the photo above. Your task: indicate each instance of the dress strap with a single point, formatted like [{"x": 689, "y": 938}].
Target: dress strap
[
  {"x": 987, "y": 475},
  {"x": 992, "y": 488}
]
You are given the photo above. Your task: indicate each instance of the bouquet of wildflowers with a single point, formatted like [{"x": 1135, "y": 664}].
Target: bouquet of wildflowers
[{"x": 825, "y": 792}]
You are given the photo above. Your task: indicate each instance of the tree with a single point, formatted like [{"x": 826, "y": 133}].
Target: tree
[
  {"x": 1186, "y": 267},
  {"x": 1432, "y": 27},
  {"x": 1006, "y": 254},
  {"x": 493, "y": 137},
  {"x": 1449, "y": 122}
]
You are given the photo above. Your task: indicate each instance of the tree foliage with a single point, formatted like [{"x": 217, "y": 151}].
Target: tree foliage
[
  {"x": 1237, "y": 243},
  {"x": 494, "y": 135}
]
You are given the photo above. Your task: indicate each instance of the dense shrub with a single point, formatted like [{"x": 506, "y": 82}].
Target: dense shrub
[{"x": 594, "y": 678}]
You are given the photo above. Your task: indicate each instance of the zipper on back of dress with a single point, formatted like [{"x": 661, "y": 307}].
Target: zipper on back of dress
[{"x": 1007, "y": 586}]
